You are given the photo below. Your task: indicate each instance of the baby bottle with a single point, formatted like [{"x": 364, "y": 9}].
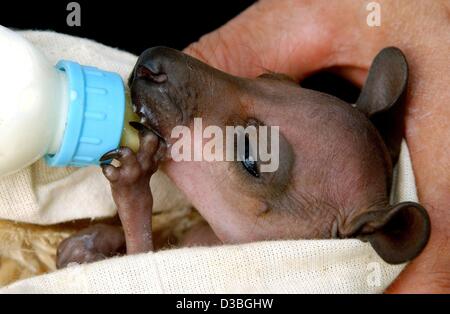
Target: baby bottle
[{"x": 70, "y": 114}]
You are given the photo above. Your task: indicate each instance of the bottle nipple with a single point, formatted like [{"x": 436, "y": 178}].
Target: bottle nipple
[{"x": 130, "y": 136}]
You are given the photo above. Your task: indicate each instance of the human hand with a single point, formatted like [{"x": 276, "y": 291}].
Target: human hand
[{"x": 299, "y": 37}]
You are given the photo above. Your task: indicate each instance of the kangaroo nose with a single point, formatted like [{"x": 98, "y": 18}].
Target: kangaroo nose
[{"x": 151, "y": 71}]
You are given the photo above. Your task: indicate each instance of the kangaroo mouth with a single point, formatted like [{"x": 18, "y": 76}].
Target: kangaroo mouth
[
  {"x": 149, "y": 123},
  {"x": 156, "y": 109}
]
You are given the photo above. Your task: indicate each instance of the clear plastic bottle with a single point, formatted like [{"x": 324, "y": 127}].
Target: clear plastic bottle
[{"x": 69, "y": 114}]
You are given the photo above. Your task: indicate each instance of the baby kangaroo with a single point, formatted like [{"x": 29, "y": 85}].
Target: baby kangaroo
[{"x": 335, "y": 160}]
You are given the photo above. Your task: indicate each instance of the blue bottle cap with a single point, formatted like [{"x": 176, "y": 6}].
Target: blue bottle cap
[{"x": 95, "y": 115}]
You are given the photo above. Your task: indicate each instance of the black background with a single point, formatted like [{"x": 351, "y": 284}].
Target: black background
[{"x": 130, "y": 24}]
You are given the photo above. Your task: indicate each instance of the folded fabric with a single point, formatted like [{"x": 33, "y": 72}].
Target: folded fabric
[
  {"x": 322, "y": 266},
  {"x": 42, "y": 195}
]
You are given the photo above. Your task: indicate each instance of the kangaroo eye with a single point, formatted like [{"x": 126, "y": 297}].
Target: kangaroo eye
[{"x": 249, "y": 161}]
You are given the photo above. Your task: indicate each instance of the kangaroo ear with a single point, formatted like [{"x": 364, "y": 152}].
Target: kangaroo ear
[
  {"x": 383, "y": 94},
  {"x": 397, "y": 234}
]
